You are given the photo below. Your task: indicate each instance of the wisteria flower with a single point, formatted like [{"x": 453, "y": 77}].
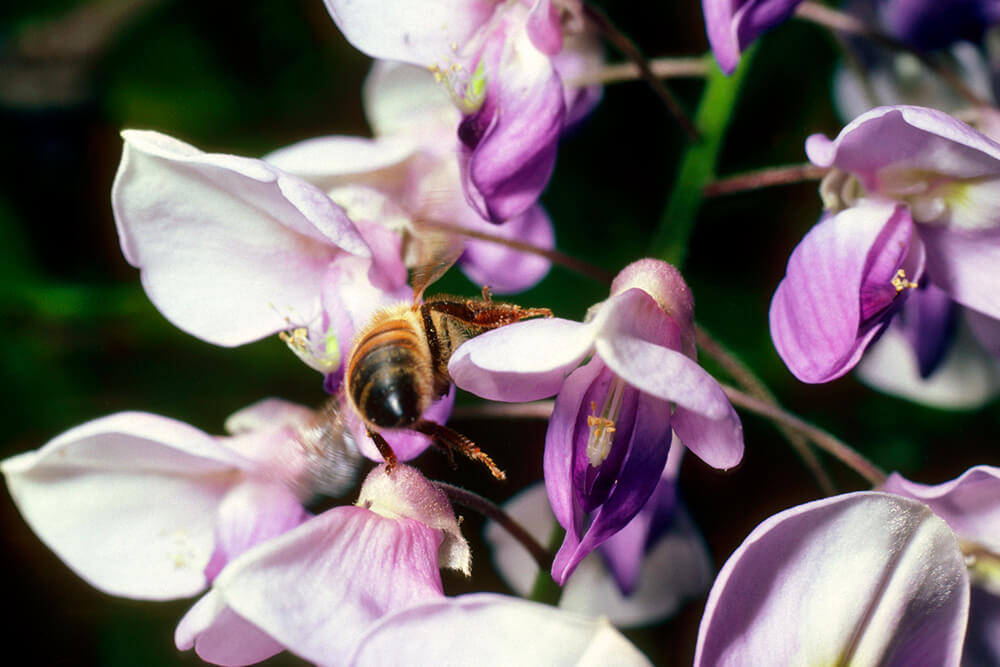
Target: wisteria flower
[
  {"x": 501, "y": 64},
  {"x": 610, "y": 432},
  {"x": 732, "y": 25},
  {"x": 233, "y": 249},
  {"x": 912, "y": 199},
  {"x": 640, "y": 575},
  {"x": 146, "y": 507},
  {"x": 409, "y": 174},
  {"x": 869, "y": 577}
]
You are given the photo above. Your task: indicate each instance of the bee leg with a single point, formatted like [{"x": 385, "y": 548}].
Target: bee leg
[
  {"x": 385, "y": 450},
  {"x": 487, "y": 294},
  {"x": 453, "y": 440}
]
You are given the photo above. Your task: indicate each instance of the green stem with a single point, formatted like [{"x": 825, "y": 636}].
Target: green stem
[{"x": 697, "y": 168}]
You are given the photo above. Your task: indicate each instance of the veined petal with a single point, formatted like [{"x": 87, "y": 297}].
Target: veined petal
[
  {"x": 639, "y": 473},
  {"x": 490, "y": 629},
  {"x": 898, "y": 149},
  {"x": 509, "y": 143},
  {"x": 816, "y": 313},
  {"x": 127, "y": 502},
  {"x": 524, "y": 361},
  {"x": 970, "y": 504},
  {"x": 220, "y": 636},
  {"x": 863, "y": 578},
  {"x": 964, "y": 264},
  {"x": 504, "y": 269},
  {"x": 317, "y": 588},
  {"x": 250, "y": 242},
  {"x": 425, "y": 33}
]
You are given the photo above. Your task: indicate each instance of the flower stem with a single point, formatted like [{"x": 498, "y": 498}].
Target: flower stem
[
  {"x": 631, "y": 51},
  {"x": 491, "y": 510},
  {"x": 754, "y": 386},
  {"x": 697, "y": 167},
  {"x": 830, "y": 444},
  {"x": 662, "y": 68},
  {"x": 533, "y": 410},
  {"x": 562, "y": 259},
  {"x": 839, "y": 21},
  {"x": 763, "y": 178}
]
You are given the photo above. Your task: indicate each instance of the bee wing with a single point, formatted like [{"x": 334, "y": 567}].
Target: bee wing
[
  {"x": 333, "y": 461},
  {"x": 431, "y": 251}
]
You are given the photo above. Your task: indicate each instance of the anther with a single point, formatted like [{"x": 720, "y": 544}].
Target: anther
[{"x": 900, "y": 282}]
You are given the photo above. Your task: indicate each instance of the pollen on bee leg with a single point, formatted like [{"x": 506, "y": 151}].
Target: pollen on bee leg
[{"x": 900, "y": 283}]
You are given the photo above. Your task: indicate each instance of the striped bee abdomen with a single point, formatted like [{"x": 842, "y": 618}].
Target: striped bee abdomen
[{"x": 388, "y": 375}]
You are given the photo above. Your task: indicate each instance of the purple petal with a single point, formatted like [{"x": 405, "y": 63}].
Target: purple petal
[
  {"x": 890, "y": 146},
  {"x": 982, "y": 641},
  {"x": 317, "y": 588},
  {"x": 524, "y": 361},
  {"x": 966, "y": 378},
  {"x": 127, "y": 502},
  {"x": 970, "y": 504},
  {"x": 220, "y": 636},
  {"x": 929, "y": 25},
  {"x": 639, "y": 474},
  {"x": 928, "y": 321},
  {"x": 817, "y": 314},
  {"x": 581, "y": 54},
  {"x": 509, "y": 143},
  {"x": 558, "y": 457},
  {"x": 964, "y": 264},
  {"x": 406, "y": 444},
  {"x": 733, "y": 24},
  {"x": 705, "y": 420},
  {"x": 676, "y": 567},
  {"x": 420, "y": 33},
  {"x": 862, "y": 578},
  {"x": 517, "y": 632},
  {"x": 504, "y": 269},
  {"x": 986, "y": 331},
  {"x": 250, "y": 241}
]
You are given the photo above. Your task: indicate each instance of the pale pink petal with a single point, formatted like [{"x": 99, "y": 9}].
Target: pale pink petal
[
  {"x": 424, "y": 33},
  {"x": 964, "y": 263},
  {"x": 267, "y": 413},
  {"x": 970, "y": 504},
  {"x": 220, "y": 636},
  {"x": 862, "y": 578},
  {"x": 487, "y": 629},
  {"x": 523, "y": 361},
  {"x": 329, "y": 162},
  {"x": 403, "y": 99},
  {"x": 251, "y": 242},
  {"x": 317, "y": 588},
  {"x": 128, "y": 502}
]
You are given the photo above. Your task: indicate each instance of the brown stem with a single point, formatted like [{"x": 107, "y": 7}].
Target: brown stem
[
  {"x": 753, "y": 385},
  {"x": 554, "y": 256},
  {"x": 631, "y": 51},
  {"x": 533, "y": 410},
  {"x": 662, "y": 68},
  {"x": 835, "y": 20},
  {"x": 764, "y": 178},
  {"x": 821, "y": 438},
  {"x": 490, "y": 510}
]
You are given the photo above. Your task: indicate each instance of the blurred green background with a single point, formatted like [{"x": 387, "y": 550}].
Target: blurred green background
[{"x": 80, "y": 340}]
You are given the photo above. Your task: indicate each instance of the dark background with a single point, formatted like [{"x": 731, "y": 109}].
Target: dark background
[{"x": 79, "y": 339}]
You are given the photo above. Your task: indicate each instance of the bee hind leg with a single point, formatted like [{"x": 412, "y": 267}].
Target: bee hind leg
[
  {"x": 385, "y": 450},
  {"x": 454, "y": 441}
]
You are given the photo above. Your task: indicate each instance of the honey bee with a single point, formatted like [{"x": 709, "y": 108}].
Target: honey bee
[
  {"x": 398, "y": 365},
  {"x": 332, "y": 458}
]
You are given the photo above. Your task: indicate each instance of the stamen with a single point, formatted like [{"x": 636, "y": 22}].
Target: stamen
[
  {"x": 323, "y": 355},
  {"x": 900, "y": 282},
  {"x": 602, "y": 425}
]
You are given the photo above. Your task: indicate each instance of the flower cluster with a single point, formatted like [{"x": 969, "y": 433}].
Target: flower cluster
[{"x": 317, "y": 531}]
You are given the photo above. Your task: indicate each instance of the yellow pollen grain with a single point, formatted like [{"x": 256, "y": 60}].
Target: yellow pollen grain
[{"x": 900, "y": 282}]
